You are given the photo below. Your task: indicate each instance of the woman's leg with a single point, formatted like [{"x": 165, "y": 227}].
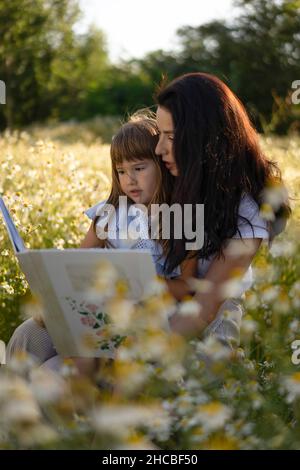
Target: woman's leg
[
  {"x": 32, "y": 338},
  {"x": 226, "y": 326}
]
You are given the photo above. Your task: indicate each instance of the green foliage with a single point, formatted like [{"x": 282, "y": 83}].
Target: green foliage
[
  {"x": 119, "y": 92},
  {"x": 257, "y": 54},
  {"x": 53, "y": 73},
  {"x": 46, "y": 67}
]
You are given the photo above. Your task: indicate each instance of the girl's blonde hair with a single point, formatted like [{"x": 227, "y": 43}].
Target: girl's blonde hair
[{"x": 136, "y": 140}]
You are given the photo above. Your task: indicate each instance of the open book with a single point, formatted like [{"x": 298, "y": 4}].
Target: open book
[{"x": 61, "y": 279}]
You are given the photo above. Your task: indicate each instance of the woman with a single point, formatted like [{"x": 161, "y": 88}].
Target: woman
[{"x": 208, "y": 143}]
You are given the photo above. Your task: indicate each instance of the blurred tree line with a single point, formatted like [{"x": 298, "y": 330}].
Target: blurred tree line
[{"x": 52, "y": 72}]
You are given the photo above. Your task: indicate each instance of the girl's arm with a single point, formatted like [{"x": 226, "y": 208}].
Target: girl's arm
[
  {"x": 91, "y": 240},
  {"x": 179, "y": 287},
  {"x": 238, "y": 255}
]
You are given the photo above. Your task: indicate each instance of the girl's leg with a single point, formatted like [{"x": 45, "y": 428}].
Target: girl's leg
[
  {"x": 54, "y": 363},
  {"x": 32, "y": 338}
]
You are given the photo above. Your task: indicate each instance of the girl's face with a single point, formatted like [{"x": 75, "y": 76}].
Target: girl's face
[
  {"x": 165, "y": 148},
  {"x": 138, "y": 179}
]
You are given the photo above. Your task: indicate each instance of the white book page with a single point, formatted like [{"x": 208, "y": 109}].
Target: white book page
[{"x": 72, "y": 274}]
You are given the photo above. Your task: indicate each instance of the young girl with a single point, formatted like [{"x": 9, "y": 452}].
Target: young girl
[{"x": 139, "y": 175}]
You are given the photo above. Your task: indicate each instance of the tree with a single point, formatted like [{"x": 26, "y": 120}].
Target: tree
[
  {"x": 258, "y": 53},
  {"x": 44, "y": 64},
  {"x": 75, "y": 74}
]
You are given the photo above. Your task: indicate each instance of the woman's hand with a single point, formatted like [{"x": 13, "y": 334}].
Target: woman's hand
[{"x": 180, "y": 286}]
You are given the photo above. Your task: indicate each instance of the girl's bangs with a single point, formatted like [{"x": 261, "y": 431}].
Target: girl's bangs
[{"x": 133, "y": 144}]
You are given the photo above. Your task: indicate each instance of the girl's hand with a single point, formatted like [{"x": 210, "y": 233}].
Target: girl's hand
[{"x": 39, "y": 321}]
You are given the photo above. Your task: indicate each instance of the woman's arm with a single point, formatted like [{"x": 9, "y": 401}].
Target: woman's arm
[
  {"x": 238, "y": 255},
  {"x": 179, "y": 287},
  {"x": 91, "y": 240}
]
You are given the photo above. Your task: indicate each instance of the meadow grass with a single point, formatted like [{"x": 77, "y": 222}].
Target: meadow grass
[{"x": 48, "y": 183}]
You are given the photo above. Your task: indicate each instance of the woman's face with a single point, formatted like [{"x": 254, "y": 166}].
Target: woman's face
[{"x": 165, "y": 147}]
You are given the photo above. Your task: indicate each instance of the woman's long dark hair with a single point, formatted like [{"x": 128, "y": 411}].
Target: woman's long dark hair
[{"x": 219, "y": 159}]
